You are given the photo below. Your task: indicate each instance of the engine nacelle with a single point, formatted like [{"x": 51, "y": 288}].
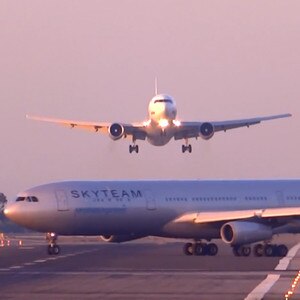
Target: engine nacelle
[
  {"x": 119, "y": 238},
  {"x": 116, "y": 131},
  {"x": 207, "y": 130},
  {"x": 240, "y": 233}
]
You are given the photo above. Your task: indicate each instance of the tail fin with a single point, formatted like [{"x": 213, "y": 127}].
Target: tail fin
[{"x": 156, "y": 87}]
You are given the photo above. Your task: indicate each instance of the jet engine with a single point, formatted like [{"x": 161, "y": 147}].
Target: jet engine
[
  {"x": 116, "y": 131},
  {"x": 119, "y": 238},
  {"x": 207, "y": 130},
  {"x": 240, "y": 233}
]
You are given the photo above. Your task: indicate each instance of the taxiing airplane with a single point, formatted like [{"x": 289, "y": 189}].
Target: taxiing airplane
[
  {"x": 238, "y": 212},
  {"x": 162, "y": 125}
]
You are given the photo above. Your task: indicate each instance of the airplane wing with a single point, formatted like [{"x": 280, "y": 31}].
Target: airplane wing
[
  {"x": 134, "y": 130},
  {"x": 224, "y": 216},
  {"x": 194, "y": 129}
]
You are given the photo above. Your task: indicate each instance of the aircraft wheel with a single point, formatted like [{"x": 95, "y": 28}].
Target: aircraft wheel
[
  {"x": 245, "y": 250},
  {"x": 137, "y": 148},
  {"x": 212, "y": 249},
  {"x": 270, "y": 250},
  {"x": 188, "y": 249},
  {"x": 130, "y": 149},
  {"x": 200, "y": 249},
  {"x": 183, "y": 148},
  {"x": 53, "y": 249},
  {"x": 258, "y": 250},
  {"x": 50, "y": 250},
  {"x": 56, "y": 249},
  {"x": 282, "y": 250},
  {"x": 236, "y": 251},
  {"x": 190, "y": 148}
]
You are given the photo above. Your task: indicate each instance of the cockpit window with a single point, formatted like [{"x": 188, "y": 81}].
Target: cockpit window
[
  {"x": 163, "y": 101},
  {"x": 28, "y": 199},
  {"x": 20, "y": 199},
  {"x": 34, "y": 199}
]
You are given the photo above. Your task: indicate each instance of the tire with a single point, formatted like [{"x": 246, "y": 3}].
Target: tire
[
  {"x": 56, "y": 250},
  {"x": 200, "y": 249},
  {"x": 212, "y": 249},
  {"x": 258, "y": 250},
  {"x": 50, "y": 250},
  {"x": 245, "y": 250},
  {"x": 236, "y": 251},
  {"x": 282, "y": 250},
  {"x": 183, "y": 148},
  {"x": 188, "y": 249},
  {"x": 269, "y": 250},
  {"x": 190, "y": 148},
  {"x": 137, "y": 148},
  {"x": 130, "y": 149}
]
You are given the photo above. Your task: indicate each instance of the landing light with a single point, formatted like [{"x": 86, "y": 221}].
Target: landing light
[
  {"x": 176, "y": 123},
  {"x": 147, "y": 123},
  {"x": 163, "y": 123}
]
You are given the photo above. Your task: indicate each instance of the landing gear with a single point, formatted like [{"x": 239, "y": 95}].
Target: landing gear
[
  {"x": 259, "y": 250},
  {"x": 53, "y": 248},
  {"x": 200, "y": 249},
  {"x": 241, "y": 250},
  {"x": 134, "y": 148},
  {"x": 275, "y": 250},
  {"x": 186, "y": 147}
]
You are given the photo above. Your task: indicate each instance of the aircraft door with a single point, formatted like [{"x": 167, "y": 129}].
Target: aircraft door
[
  {"x": 62, "y": 200},
  {"x": 150, "y": 201}
]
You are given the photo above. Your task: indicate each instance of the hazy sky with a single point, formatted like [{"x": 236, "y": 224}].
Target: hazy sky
[{"x": 97, "y": 60}]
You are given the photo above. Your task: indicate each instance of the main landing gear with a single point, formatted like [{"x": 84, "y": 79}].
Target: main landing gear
[
  {"x": 134, "y": 148},
  {"x": 269, "y": 250},
  {"x": 187, "y": 147},
  {"x": 200, "y": 248},
  {"x": 53, "y": 248}
]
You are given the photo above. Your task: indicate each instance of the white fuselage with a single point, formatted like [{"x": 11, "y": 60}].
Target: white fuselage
[
  {"x": 147, "y": 207},
  {"x": 162, "y": 121}
]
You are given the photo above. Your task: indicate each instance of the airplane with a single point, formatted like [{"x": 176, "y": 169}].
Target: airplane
[
  {"x": 239, "y": 212},
  {"x": 162, "y": 125}
]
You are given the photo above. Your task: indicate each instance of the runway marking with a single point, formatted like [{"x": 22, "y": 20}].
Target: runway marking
[
  {"x": 46, "y": 260},
  {"x": 29, "y": 264},
  {"x": 259, "y": 292},
  {"x": 154, "y": 273},
  {"x": 40, "y": 260},
  {"x": 16, "y": 267}
]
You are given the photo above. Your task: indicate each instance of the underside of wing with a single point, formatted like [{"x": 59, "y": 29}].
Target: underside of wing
[
  {"x": 136, "y": 131},
  {"x": 224, "y": 216},
  {"x": 226, "y": 125},
  {"x": 206, "y": 130}
]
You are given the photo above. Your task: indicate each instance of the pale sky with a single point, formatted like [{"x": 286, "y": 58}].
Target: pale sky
[{"x": 97, "y": 60}]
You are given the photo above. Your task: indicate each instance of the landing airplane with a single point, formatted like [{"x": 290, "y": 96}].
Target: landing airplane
[
  {"x": 162, "y": 125},
  {"x": 239, "y": 212}
]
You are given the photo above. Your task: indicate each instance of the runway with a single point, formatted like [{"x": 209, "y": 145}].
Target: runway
[{"x": 146, "y": 269}]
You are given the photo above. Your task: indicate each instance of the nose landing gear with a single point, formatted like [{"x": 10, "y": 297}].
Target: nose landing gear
[{"x": 53, "y": 248}]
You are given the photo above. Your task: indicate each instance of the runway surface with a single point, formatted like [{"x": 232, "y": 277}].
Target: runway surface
[{"x": 147, "y": 269}]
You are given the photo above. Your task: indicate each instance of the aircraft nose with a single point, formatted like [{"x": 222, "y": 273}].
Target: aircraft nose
[{"x": 11, "y": 212}]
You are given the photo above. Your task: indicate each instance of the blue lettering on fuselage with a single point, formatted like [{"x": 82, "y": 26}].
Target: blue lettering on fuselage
[{"x": 115, "y": 194}]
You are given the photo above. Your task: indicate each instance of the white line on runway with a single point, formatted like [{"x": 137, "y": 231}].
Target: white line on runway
[{"x": 259, "y": 292}]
